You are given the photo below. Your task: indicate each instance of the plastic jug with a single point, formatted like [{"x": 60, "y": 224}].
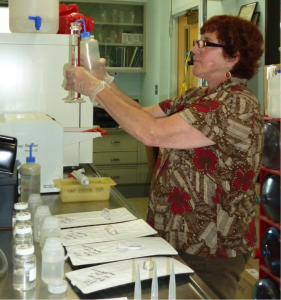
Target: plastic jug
[
  {"x": 270, "y": 250},
  {"x": 266, "y": 288},
  {"x": 34, "y": 16},
  {"x": 271, "y": 148},
  {"x": 270, "y": 197}
]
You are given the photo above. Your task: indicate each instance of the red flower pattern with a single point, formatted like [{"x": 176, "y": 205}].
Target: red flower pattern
[
  {"x": 165, "y": 104},
  {"x": 205, "y": 105},
  {"x": 216, "y": 199},
  {"x": 243, "y": 180},
  {"x": 179, "y": 199},
  {"x": 158, "y": 162},
  {"x": 205, "y": 160},
  {"x": 251, "y": 234},
  {"x": 180, "y": 107},
  {"x": 236, "y": 88},
  {"x": 165, "y": 166}
]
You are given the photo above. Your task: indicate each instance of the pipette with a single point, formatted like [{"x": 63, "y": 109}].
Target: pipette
[
  {"x": 137, "y": 293},
  {"x": 154, "y": 285},
  {"x": 172, "y": 284}
]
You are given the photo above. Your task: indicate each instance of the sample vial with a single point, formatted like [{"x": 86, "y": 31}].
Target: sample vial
[
  {"x": 23, "y": 235},
  {"x": 24, "y": 274},
  {"x": 34, "y": 201},
  {"x": 23, "y": 218},
  {"x": 50, "y": 228},
  {"x": 52, "y": 260},
  {"x": 19, "y": 206},
  {"x": 41, "y": 213}
]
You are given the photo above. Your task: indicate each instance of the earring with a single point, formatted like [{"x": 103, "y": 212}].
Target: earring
[{"x": 228, "y": 75}]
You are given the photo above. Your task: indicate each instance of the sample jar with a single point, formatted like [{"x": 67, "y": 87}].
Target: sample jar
[
  {"x": 41, "y": 213},
  {"x": 34, "y": 201},
  {"x": 23, "y": 218},
  {"x": 24, "y": 274},
  {"x": 52, "y": 260},
  {"x": 18, "y": 207},
  {"x": 50, "y": 228},
  {"x": 23, "y": 235}
]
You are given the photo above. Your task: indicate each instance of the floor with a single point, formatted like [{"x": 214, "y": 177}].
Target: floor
[{"x": 140, "y": 204}]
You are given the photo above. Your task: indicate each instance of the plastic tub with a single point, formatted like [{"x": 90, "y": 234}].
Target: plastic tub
[{"x": 72, "y": 191}]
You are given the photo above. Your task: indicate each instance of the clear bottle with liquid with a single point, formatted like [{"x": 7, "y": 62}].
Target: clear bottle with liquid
[
  {"x": 23, "y": 235},
  {"x": 34, "y": 201},
  {"x": 41, "y": 213},
  {"x": 52, "y": 260},
  {"x": 22, "y": 218},
  {"x": 24, "y": 273},
  {"x": 29, "y": 177},
  {"x": 18, "y": 207}
]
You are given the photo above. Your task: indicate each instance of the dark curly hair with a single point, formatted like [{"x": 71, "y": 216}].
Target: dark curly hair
[{"x": 237, "y": 35}]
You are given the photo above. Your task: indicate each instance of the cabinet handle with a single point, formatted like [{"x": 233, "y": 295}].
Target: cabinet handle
[
  {"x": 115, "y": 142},
  {"x": 115, "y": 159},
  {"x": 115, "y": 177}
]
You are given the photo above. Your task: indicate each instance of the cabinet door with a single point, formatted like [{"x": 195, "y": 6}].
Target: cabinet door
[{"x": 120, "y": 31}]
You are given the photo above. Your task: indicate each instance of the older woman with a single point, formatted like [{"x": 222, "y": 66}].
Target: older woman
[{"x": 211, "y": 140}]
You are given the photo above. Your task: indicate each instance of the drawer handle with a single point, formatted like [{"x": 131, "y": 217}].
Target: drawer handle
[
  {"x": 115, "y": 142},
  {"x": 115, "y": 177},
  {"x": 115, "y": 159}
]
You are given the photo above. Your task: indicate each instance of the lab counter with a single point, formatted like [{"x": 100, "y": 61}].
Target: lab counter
[{"x": 188, "y": 286}]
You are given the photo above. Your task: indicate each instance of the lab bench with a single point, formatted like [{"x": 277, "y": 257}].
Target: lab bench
[{"x": 189, "y": 286}]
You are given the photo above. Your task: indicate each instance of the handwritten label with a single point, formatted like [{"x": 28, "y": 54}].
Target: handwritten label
[{"x": 96, "y": 276}]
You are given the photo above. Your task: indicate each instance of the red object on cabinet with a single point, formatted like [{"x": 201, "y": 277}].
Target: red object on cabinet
[{"x": 265, "y": 222}]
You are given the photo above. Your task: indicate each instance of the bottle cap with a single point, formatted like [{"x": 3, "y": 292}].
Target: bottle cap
[
  {"x": 24, "y": 249},
  {"x": 23, "y": 216},
  {"x": 52, "y": 243},
  {"x": 30, "y": 158},
  {"x": 20, "y": 205},
  {"x": 57, "y": 286},
  {"x": 51, "y": 221},
  {"x": 34, "y": 198},
  {"x": 23, "y": 229},
  {"x": 85, "y": 33},
  {"x": 42, "y": 209}
]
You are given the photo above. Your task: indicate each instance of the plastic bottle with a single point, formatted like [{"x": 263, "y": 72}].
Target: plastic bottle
[
  {"x": 22, "y": 218},
  {"x": 270, "y": 250},
  {"x": 41, "y": 213},
  {"x": 266, "y": 288},
  {"x": 47, "y": 11},
  {"x": 89, "y": 50},
  {"x": 24, "y": 275},
  {"x": 274, "y": 94},
  {"x": 19, "y": 206},
  {"x": 50, "y": 228},
  {"x": 29, "y": 177},
  {"x": 52, "y": 260},
  {"x": 23, "y": 235},
  {"x": 270, "y": 197},
  {"x": 34, "y": 201},
  {"x": 271, "y": 148}
]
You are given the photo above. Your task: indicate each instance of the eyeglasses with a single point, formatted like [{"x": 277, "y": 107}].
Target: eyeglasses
[{"x": 202, "y": 44}]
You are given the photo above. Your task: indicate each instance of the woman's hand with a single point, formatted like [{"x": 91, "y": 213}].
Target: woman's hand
[
  {"x": 78, "y": 79},
  {"x": 98, "y": 70}
]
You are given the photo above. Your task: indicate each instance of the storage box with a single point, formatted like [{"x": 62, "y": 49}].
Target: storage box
[
  {"x": 9, "y": 195},
  {"x": 72, "y": 191},
  {"x": 247, "y": 281}
]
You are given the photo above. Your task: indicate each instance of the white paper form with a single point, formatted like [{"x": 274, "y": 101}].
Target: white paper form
[
  {"x": 113, "y": 251},
  {"x": 95, "y": 218},
  {"x": 105, "y": 276},
  {"x": 96, "y": 234}
]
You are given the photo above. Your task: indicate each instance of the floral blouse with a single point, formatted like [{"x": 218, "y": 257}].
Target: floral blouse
[{"x": 201, "y": 200}]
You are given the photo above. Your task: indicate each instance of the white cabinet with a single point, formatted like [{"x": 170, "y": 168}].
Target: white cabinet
[{"x": 121, "y": 157}]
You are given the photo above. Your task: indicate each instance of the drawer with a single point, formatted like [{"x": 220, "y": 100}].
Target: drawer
[
  {"x": 115, "y": 158},
  {"x": 120, "y": 175},
  {"x": 115, "y": 142}
]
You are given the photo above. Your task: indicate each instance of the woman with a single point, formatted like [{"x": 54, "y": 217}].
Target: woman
[{"x": 211, "y": 140}]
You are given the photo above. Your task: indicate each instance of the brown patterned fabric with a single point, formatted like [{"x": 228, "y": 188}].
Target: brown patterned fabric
[{"x": 201, "y": 200}]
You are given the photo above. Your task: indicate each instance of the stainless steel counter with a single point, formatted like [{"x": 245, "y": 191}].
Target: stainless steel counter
[{"x": 188, "y": 286}]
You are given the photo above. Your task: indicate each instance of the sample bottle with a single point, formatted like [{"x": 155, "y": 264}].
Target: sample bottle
[
  {"x": 266, "y": 288},
  {"x": 270, "y": 250},
  {"x": 89, "y": 51},
  {"x": 52, "y": 260},
  {"x": 22, "y": 218},
  {"x": 34, "y": 201},
  {"x": 19, "y": 206},
  {"x": 270, "y": 197},
  {"x": 24, "y": 274},
  {"x": 41, "y": 213},
  {"x": 23, "y": 235},
  {"x": 50, "y": 228},
  {"x": 29, "y": 177}
]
